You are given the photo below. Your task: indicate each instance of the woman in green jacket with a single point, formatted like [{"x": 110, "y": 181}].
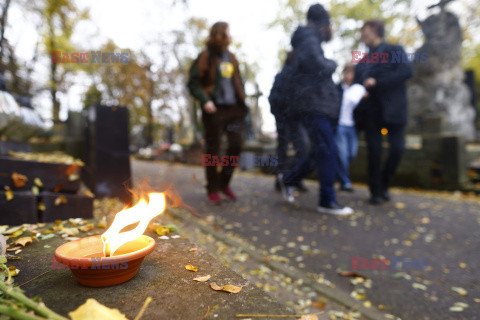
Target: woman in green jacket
[{"x": 215, "y": 81}]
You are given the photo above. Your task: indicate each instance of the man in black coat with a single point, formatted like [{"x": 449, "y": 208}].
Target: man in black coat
[
  {"x": 317, "y": 104},
  {"x": 384, "y": 73}
]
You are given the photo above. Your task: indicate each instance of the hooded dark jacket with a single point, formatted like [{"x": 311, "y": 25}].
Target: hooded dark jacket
[
  {"x": 389, "y": 96},
  {"x": 311, "y": 80}
]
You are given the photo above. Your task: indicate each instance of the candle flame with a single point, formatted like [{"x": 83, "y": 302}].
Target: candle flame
[{"x": 142, "y": 213}]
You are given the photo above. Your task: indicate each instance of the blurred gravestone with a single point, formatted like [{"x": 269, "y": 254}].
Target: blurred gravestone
[
  {"x": 108, "y": 160},
  {"x": 437, "y": 92}
]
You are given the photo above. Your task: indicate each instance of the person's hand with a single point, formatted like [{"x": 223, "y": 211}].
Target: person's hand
[
  {"x": 365, "y": 95},
  {"x": 209, "y": 107},
  {"x": 369, "y": 83}
]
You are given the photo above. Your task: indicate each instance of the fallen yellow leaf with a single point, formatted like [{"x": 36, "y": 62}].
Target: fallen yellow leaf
[
  {"x": 73, "y": 177},
  {"x": 400, "y": 205},
  {"x": 460, "y": 291},
  {"x": 193, "y": 250},
  {"x": 70, "y": 231},
  {"x": 309, "y": 317},
  {"x": 87, "y": 227},
  {"x": 93, "y": 310},
  {"x": 19, "y": 180},
  {"x": 191, "y": 268},
  {"x": 102, "y": 223},
  {"x": 41, "y": 206},
  {"x": 13, "y": 271},
  {"x": 161, "y": 231},
  {"x": 24, "y": 241},
  {"x": 60, "y": 200},
  {"x": 13, "y": 248},
  {"x": 215, "y": 287},
  {"x": 232, "y": 289},
  {"x": 38, "y": 182},
  {"x": 9, "y": 194},
  {"x": 202, "y": 279}
]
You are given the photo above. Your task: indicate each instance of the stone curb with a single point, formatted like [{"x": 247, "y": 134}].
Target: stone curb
[{"x": 292, "y": 272}]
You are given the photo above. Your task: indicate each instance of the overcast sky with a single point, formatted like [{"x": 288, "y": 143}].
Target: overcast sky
[{"x": 130, "y": 23}]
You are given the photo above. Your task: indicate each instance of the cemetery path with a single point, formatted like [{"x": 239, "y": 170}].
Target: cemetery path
[{"x": 434, "y": 237}]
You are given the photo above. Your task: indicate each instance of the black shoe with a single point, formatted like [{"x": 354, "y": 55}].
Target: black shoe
[
  {"x": 301, "y": 187},
  {"x": 376, "y": 200},
  {"x": 386, "y": 196},
  {"x": 347, "y": 189}
]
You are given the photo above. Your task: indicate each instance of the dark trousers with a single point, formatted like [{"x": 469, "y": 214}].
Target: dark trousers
[
  {"x": 379, "y": 178},
  {"x": 290, "y": 130},
  {"x": 231, "y": 121},
  {"x": 323, "y": 157}
]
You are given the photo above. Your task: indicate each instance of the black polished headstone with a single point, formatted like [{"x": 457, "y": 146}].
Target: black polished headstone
[{"x": 108, "y": 156}]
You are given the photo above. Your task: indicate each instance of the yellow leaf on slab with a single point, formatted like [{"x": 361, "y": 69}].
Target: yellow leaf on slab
[
  {"x": 87, "y": 227},
  {"x": 24, "y": 241},
  {"x": 215, "y": 286},
  {"x": 19, "y": 180},
  {"x": 191, "y": 268},
  {"x": 193, "y": 250},
  {"x": 309, "y": 317},
  {"x": 93, "y": 310},
  {"x": 60, "y": 200},
  {"x": 14, "y": 248},
  {"x": 70, "y": 231},
  {"x": 38, "y": 182},
  {"x": 202, "y": 279},
  {"x": 9, "y": 195},
  {"x": 161, "y": 231},
  {"x": 17, "y": 233},
  {"x": 12, "y": 230},
  {"x": 35, "y": 190},
  {"x": 41, "y": 206},
  {"x": 232, "y": 289},
  {"x": 102, "y": 223},
  {"x": 73, "y": 177}
]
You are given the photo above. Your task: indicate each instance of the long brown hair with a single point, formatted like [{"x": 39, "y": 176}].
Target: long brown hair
[{"x": 218, "y": 40}]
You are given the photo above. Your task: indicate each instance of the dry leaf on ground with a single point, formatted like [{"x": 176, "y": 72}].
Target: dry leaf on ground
[
  {"x": 19, "y": 180},
  {"x": 24, "y": 241},
  {"x": 309, "y": 317},
  {"x": 352, "y": 274},
  {"x": 93, "y": 310},
  {"x": 191, "y": 268},
  {"x": 87, "y": 227},
  {"x": 215, "y": 286},
  {"x": 232, "y": 289},
  {"x": 60, "y": 200},
  {"x": 202, "y": 279}
]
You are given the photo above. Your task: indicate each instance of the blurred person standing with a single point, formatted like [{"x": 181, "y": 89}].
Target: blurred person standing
[
  {"x": 385, "y": 107},
  {"x": 346, "y": 136},
  {"x": 288, "y": 129},
  {"x": 317, "y": 103},
  {"x": 215, "y": 81}
]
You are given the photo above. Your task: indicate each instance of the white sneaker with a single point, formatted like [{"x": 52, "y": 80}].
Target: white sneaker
[
  {"x": 335, "y": 209},
  {"x": 287, "y": 191}
]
